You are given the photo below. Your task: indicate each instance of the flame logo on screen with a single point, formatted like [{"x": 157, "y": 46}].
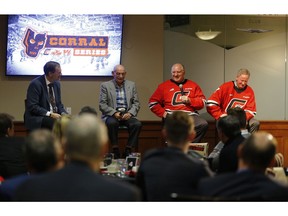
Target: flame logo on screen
[{"x": 34, "y": 42}]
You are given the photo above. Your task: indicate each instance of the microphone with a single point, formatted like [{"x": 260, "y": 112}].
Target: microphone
[{"x": 181, "y": 89}]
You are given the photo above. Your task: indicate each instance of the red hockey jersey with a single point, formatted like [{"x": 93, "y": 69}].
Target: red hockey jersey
[
  {"x": 229, "y": 96},
  {"x": 167, "y": 97}
]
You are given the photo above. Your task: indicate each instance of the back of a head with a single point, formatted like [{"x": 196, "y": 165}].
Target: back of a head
[
  {"x": 179, "y": 126},
  {"x": 240, "y": 114},
  {"x": 258, "y": 150},
  {"x": 229, "y": 125},
  {"x": 41, "y": 150},
  {"x": 88, "y": 109},
  {"x": 85, "y": 136},
  {"x": 6, "y": 122},
  {"x": 60, "y": 126}
]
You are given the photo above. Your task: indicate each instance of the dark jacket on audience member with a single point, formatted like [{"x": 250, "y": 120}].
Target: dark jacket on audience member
[
  {"x": 9, "y": 186},
  {"x": 228, "y": 159},
  {"x": 12, "y": 160},
  {"x": 169, "y": 170},
  {"x": 243, "y": 185},
  {"x": 75, "y": 182}
]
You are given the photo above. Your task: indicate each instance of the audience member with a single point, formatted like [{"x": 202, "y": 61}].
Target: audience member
[
  {"x": 12, "y": 161},
  {"x": 80, "y": 180},
  {"x": 88, "y": 109},
  {"x": 235, "y": 94},
  {"x": 249, "y": 182},
  {"x": 43, "y": 103},
  {"x": 180, "y": 94},
  {"x": 43, "y": 153},
  {"x": 241, "y": 115},
  {"x": 60, "y": 126},
  {"x": 59, "y": 129},
  {"x": 229, "y": 133},
  {"x": 170, "y": 170},
  {"x": 213, "y": 157},
  {"x": 119, "y": 105}
]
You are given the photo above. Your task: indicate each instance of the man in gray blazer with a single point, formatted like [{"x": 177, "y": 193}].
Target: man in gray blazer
[
  {"x": 39, "y": 112},
  {"x": 119, "y": 105}
]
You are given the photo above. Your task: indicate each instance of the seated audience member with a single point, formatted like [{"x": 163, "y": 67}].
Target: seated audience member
[
  {"x": 12, "y": 161},
  {"x": 213, "y": 157},
  {"x": 241, "y": 115},
  {"x": 59, "y": 129},
  {"x": 60, "y": 126},
  {"x": 119, "y": 104},
  {"x": 88, "y": 109},
  {"x": 42, "y": 152},
  {"x": 171, "y": 170},
  {"x": 229, "y": 133},
  {"x": 250, "y": 181},
  {"x": 80, "y": 180},
  {"x": 43, "y": 104}
]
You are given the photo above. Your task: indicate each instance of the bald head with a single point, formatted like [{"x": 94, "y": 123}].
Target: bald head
[
  {"x": 119, "y": 68},
  {"x": 258, "y": 150},
  {"x": 178, "y": 73}
]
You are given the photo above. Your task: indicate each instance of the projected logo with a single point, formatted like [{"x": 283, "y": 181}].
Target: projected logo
[{"x": 34, "y": 42}]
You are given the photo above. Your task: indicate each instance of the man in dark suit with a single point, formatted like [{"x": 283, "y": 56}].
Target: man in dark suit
[
  {"x": 119, "y": 105},
  {"x": 42, "y": 108},
  {"x": 80, "y": 180},
  {"x": 250, "y": 181},
  {"x": 170, "y": 170},
  {"x": 12, "y": 160}
]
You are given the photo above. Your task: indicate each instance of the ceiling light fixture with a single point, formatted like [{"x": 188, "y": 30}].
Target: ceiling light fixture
[
  {"x": 207, "y": 35},
  {"x": 250, "y": 30}
]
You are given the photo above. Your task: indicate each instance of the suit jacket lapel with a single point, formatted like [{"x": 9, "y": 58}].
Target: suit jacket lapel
[
  {"x": 113, "y": 94},
  {"x": 128, "y": 94},
  {"x": 43, "y": 82}
]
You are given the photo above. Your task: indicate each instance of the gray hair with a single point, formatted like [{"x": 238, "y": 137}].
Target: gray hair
[
  {"x": 243, "y": 71},
  {"x": 85, "y": 136}
]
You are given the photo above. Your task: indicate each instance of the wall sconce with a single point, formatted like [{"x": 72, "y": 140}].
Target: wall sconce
[{"x": 207, "y": 35}]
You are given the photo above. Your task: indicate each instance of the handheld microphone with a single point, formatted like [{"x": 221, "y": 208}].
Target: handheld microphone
[{"x": 181, "y": 89}]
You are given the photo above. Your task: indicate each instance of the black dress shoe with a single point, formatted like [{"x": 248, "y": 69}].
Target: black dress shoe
[
  {"x": 127, "y": 152},
  {"x": 116, "y": 153}
]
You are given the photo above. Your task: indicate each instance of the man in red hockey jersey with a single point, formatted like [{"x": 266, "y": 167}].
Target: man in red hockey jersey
[
  {"x": 235, "y": 94},
  {"x": 181, "y": 94}
]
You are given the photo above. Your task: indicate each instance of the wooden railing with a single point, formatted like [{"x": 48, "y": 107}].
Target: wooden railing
[{"x": 151, "y": 135}]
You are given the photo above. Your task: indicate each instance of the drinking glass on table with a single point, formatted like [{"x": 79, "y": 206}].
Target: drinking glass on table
[{"x": 122, "y": 167}]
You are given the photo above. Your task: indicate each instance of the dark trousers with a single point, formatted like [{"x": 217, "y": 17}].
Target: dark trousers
[
  {"x": 133, "y": 125},
  {"x": 47, "y": 122},
  {"x": 201, "y": 127}
]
